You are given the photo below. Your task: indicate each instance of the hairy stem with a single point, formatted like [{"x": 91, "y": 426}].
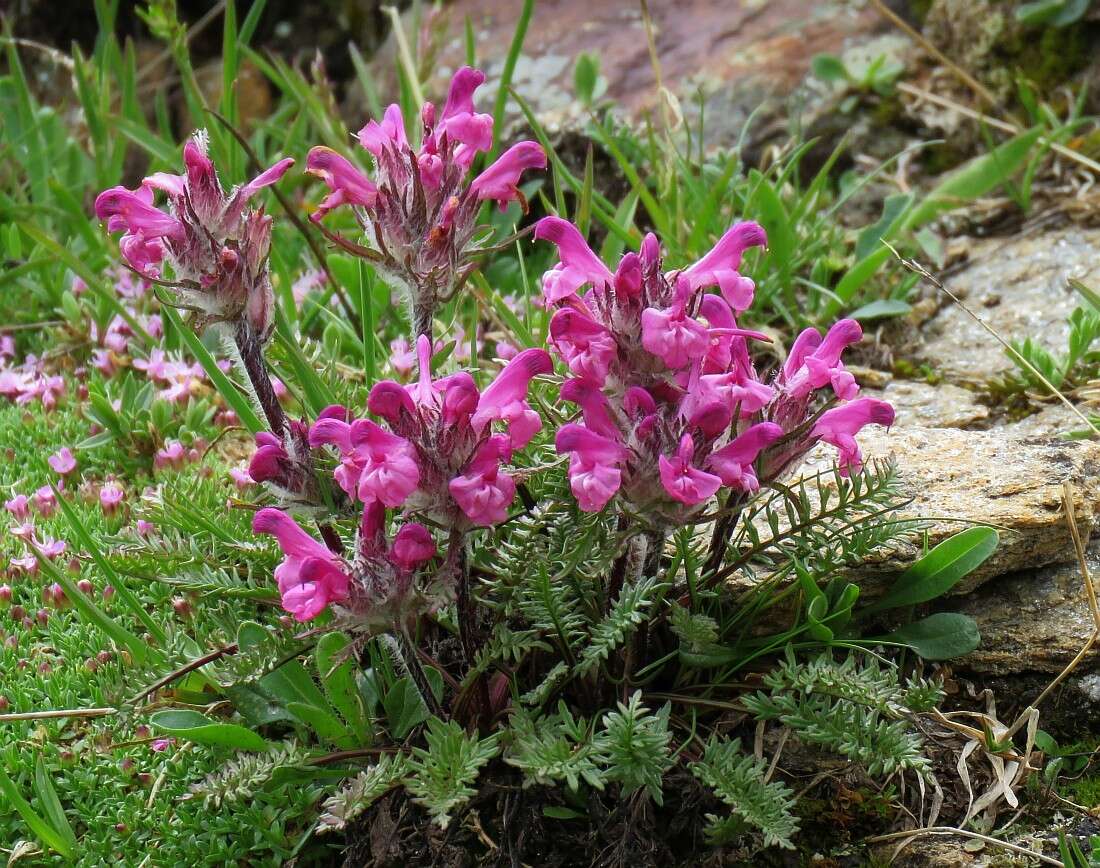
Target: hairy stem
[
  {"x": 255, "y": 368},
  {"x": 423, "y": 313}
]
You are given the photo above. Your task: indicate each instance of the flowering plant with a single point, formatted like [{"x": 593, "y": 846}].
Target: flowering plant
[{"x": 552, "y": 527}]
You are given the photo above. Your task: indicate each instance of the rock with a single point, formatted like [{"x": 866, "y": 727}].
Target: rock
[
  {"x": 920, "y": 404},
  {"x": 1018, "y": 286},
  {"x": 958, "y": 478},
  {"x": 738, "y": 54},
  {"x": 1035, "y": 621},
  {"x": 1053, "y": 420}
]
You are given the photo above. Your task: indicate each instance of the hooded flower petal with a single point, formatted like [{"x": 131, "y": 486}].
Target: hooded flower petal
[
  {"x": 310, "y": 576},
  {"x": 720, "y": 265},
  {"x": 390, "y": 471},
  {"x": 376, "y": 136},
  {"x": 594, "y": 475},
  {"x": 500, "y": 181},
  {"x": 840, "y": 425},
  {"x": 579, "y": 265},
  {"x": 733, "y": 462},
  {"x": 587, "y": 347},
  {"x": 506, "y": 397},
  {"x": 412, "y": 546},
  {"x": 349, "y": 186}
]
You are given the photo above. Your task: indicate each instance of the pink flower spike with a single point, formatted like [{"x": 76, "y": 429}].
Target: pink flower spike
[
  {"x": 579, "y": 265},
  {"x": 390, "y": 468},
  {"x": 412, "y": 546},
  {"x": 840, "y": 425},
  {"x": 110, "y": 496},
  {"x": 506, "y": 397},
  {"x": 483, "y": 492},
  {"x": 376, "y": 136},
  {"x": 45, "y": 501},
  {"x": 684, "y": 482},
  {"x": 733, "y": 462},
  {"x": 594, "y": 476},
  {"x": 500, "y": 181},
  {"x": 349, "y": 186},
  {"x": 720, "y": 265},
  {"x": 18, "y": 506},
  {"x": 62, "y": 462}
]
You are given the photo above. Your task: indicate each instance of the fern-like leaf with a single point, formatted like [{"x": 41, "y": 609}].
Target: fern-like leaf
[{"x": 440, "y": 776}]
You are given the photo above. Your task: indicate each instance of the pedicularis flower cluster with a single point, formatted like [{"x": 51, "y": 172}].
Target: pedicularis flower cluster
[
  {"x": 671, "y": 407},
  {"x": 420, "y": 211}
]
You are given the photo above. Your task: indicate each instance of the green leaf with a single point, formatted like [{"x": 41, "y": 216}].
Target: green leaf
[
  {"x": 338, "y": 680},
  {"x": 1039, "y": 12},
  {"x": 324, "y": 723},
  {"x": 829, "y": 67},
  {"x": 940, "y": 636},
  {"x": 200, "y": 729},
  {"x": 42, "y": 830},
  {"x": 586, "y": 72},
  {"x": 47, "y": 797},
  {"x": 940, "y": 570},
  {"x": 881, "y": 309},
  {"x": 405, "y": 708},
  {"x": 893, "y": 212},
  {"x": 854, "y": 279},
  {"x": 228, "y": 391},
  {"x": 976, "y": 178}
]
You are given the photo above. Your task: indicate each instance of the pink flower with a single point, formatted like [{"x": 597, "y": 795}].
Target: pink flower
[
  {"x": 376, "y": 464},
  {"x": 578, "y": 266},
  {"x": 719, "y": 266},
  {"x": 733, "y": 462},
  {"x": 145, "y": 528},
  {"x": 484, "y": 492},
  {"x": 172, "y": 454},
  {"x": 390, "y": 132},
  {"x": 349, "y": 186},
  {"x": 594, "y": 476},
  {"x": 27, "y": 564},
  {"x": 310, "y": 576},
  {"x": 506, "y": 351},
  {"x": 241, "y": 478},
  {"x": 159, "y": 745},
  {"x": 18, "y": 506},
  {"x": 49, "y": 547},
  {"x": 840, "y": 425},
  {"x": 587, "y": 347},
  {"x": 814, "y": 363},
  {"x": 682, "y": 480},
  {"x": 45, "y": 501},
  {"x": 110, "y": 496},
  {"x": 217, "y": 249},
  {"x": 672, "y": 335},
  {"x": 413, "y": 546},
  {"x": 500, "y": 181},
  {"x": 62, "y": 462},
  {"x": 506, "y": 398}
]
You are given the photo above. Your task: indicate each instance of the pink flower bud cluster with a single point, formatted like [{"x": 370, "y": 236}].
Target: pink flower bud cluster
[
  {"x": 672, "y": 406},
  {"x": 218, "y": 250},
  {"x": 419, "y": 211}
]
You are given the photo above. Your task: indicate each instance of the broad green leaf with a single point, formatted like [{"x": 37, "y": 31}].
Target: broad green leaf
[
  {"x": 338, "y": 680},
  {"x": 586, "y": 71},
  {"x": 940, "y": 570},
  {"x": 829, "y": 67},
  {"x": 324, "y": 724},
  {"x": 184, "y": 723},
  {"x": 893, "y": 212},
  {"x": 940, "y": 636},
  {"x": 405, "y": 708}
]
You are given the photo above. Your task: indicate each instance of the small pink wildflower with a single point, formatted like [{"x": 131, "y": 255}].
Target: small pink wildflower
[
  {"x": 62, "y": 462},
  {"x": 111, "y": 496}
]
